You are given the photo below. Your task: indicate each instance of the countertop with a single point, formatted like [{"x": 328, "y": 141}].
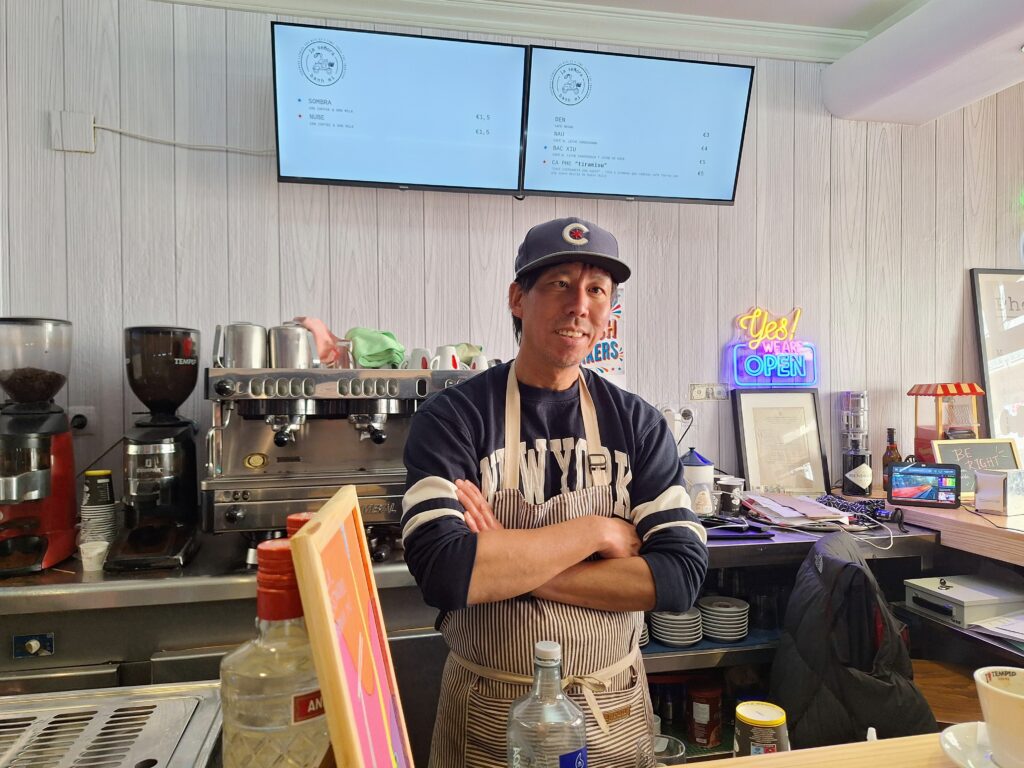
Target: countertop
[
  {"x": 996, "y": 536},
  {"x": 909, "y": 752},
  {"x": 217, "y": 572}
]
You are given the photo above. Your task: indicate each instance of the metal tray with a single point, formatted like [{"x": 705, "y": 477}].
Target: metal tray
[{"x": 151, "y": 726}]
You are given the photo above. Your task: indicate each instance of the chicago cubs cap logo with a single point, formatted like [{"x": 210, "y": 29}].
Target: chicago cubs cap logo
[{"x": 575, "y": 234}]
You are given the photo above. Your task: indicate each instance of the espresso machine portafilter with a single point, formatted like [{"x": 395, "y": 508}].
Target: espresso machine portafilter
[{"x": 284, "y": 440}]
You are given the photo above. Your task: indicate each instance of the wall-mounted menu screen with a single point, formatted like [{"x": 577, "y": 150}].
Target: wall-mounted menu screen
[
  {"x": 630, "y": 126},
  {"x": 359, "y": 107}
]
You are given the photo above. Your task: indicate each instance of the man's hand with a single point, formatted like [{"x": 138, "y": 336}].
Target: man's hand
[
  {"x": 479, "y": 515},
  {"x": 620, "y": 539}
]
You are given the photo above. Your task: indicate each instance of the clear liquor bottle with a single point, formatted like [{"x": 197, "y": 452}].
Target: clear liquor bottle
[
  {"x": 272, "y": 707},
  {"x": 545, "y": 728}
]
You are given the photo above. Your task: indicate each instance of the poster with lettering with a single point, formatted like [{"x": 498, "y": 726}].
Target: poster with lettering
[
  {"x": 973, "y": 455},
  {"x": 347, "y": 635},
  {"x": 608, "y": 355}
]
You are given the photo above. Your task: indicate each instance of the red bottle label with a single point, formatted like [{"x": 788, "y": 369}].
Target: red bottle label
[{"x": 307, "y": 706}]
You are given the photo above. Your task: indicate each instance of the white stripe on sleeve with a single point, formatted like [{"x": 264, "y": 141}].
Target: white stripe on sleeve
[{"x": 673, "y": 497}]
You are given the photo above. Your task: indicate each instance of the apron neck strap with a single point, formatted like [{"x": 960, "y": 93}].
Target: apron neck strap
[{"x": 597, "y": 458}]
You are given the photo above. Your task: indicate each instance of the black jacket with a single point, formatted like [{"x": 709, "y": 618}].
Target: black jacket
[{"x": 842, "y": 665}]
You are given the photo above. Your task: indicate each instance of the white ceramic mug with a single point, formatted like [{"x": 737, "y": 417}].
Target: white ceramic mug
[
  {"x": 1001, "y": 691},
  {"x": 479, "y": 363},
  {"x": 446, "y": 359},
  {"x": 417, "y": 359}
]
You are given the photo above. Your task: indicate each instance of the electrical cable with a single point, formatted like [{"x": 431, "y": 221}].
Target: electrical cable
[
  {"x": 974, "y": 511},
  {"x": 185, "y": 145},
  {"x": 96, "y": 460}
]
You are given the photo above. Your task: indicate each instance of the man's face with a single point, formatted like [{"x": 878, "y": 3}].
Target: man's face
[{"x": 564, "y": 314}]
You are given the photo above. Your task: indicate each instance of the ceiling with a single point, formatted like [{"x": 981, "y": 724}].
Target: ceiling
[{"x": 854, "y": 15}]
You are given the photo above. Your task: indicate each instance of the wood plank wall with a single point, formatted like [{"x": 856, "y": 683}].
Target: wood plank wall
[{"x": 869, "y": 227}]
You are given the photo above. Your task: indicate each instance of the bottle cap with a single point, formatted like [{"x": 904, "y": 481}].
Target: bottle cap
[
  {"x": 547, "y": 650},
  {"x": 296, "y": 520},
  {"x": 277, "y": 590}
]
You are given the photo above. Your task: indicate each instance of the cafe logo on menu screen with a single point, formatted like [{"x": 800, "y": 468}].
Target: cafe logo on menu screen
[
  {"x": 767, "y": 353},
  {"x": 321, "y": 62},
  {"x": 570, "y": 83}
]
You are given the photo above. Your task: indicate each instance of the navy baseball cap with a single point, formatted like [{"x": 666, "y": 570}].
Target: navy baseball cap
[{"x": 562, "y": 240}]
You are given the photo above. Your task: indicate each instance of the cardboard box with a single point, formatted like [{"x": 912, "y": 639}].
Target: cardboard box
[{"x": 999, "y": 491}]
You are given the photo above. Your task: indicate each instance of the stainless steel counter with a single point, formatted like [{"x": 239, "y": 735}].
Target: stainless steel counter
[{"x": 217, "y": 573}]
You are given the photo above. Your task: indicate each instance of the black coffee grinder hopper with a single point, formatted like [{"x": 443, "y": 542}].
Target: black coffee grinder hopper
[{"x": 160, "y": 474}]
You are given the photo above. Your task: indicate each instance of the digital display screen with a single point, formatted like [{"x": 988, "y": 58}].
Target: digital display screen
[
  {"x": 607, "y": 124},
  {"x": 402, "y": 110},
  {"x": 924, "y": 483}
]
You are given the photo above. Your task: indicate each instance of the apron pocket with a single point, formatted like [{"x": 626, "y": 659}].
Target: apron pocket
[
  {"x": 628, "y": 715},
  {"x": 486, "y": 728}
]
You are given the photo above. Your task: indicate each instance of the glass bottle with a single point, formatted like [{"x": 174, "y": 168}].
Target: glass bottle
[
  {"x": 891, "y": 455},
  {"x": 273, "y": 710},
  {"x": 857, "y": 475},
  {"x": 545, "y": 728}
]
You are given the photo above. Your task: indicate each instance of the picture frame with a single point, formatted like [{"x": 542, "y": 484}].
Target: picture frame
[
  {"x": 972, "y": 455},
  {"x": 348, "y": 638},
  {"x": 999, "y": 323},
  {"x": 779, "y": 440}
]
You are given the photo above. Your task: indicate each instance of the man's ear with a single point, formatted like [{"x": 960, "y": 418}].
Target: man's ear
[{"x": 515, "y": 300}]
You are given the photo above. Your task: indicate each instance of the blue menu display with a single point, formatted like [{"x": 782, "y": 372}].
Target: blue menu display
[
  {"x": 607, "y": 124},
  {"x": 384, "y": 109}
]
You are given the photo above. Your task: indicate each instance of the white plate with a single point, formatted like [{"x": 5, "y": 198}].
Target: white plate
[
  {"x": 726, "y": 636},
  {"x": 720, "y": 604},
  {"x": 655, "y": 622},
  {"x": 966, "y": 744},
  {"x": 693, "y": 613}
]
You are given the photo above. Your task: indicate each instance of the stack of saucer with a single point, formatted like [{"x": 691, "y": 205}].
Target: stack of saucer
[
  {"x": 677, "y": 629},
  {"x": 724, "y": 618},
  {"x": 99, "y": 523},
  {"x": 645, "y": 637}
]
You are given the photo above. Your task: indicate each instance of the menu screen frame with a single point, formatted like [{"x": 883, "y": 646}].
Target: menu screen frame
[
  {"x": 337, "y": 180},
  {"x": 527, "y": 190}
]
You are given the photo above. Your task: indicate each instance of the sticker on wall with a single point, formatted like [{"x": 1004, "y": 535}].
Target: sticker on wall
[{"x": 607, "y": 356}]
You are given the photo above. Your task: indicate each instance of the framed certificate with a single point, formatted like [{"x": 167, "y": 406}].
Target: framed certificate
[
  {"x": 779, "y": 442},
  {"x": 999, "y": 315}
]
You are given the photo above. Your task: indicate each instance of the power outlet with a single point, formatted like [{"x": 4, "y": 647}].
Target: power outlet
[{"x": 76, "y": 413}]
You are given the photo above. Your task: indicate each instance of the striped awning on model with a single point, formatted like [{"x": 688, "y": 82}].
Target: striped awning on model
[{"x": 942, "y": 390}]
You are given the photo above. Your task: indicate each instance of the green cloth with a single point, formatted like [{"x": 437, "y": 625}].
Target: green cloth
[
  {"x": 375, "y": 349},
  {"x": 467, "y": 351}
]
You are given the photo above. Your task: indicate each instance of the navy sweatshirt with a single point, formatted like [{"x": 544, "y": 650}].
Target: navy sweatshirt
[{"x": 459, "y": 434}]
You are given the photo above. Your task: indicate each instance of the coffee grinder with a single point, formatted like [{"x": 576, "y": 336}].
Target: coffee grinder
[
  {"x": 160, "y": 485},
  {"x": 37, "y": 462}
]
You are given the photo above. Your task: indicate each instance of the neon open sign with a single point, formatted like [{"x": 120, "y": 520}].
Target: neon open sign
[{"x": 768, "y": 354}]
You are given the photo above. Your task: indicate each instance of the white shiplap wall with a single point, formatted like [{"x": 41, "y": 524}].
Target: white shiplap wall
[{"x": 869, "y": 227}]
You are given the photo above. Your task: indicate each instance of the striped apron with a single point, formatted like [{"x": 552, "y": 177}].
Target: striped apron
[{"x": 490, "y": 663}]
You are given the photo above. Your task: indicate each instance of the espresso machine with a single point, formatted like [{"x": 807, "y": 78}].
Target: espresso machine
[
  {"x": 285, "y": 439},
  {"x": 160, "y": 476},
  {"x": 37, "y": 463}
]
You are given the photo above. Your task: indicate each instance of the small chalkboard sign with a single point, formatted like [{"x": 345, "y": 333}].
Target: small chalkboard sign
[{"x": 972, "y": 455}]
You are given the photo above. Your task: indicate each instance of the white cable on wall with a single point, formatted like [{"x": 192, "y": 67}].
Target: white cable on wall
[{"x": 185, "y": 145}]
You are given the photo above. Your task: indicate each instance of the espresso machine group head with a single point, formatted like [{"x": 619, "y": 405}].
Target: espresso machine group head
[
  {"x": 160, "y": 475},
  {"x": 37, "y": 463}
]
